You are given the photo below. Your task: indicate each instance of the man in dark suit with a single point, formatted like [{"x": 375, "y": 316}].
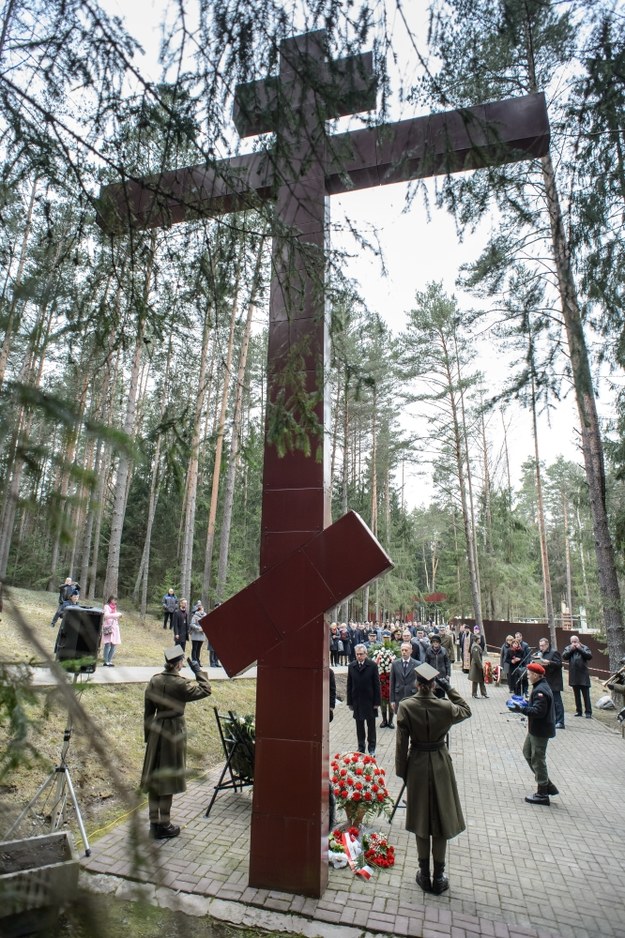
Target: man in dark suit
[
  {"x": 364, "y": 698},
  {"x": 403, "y": 676},
  {"x": 551, "y": 660}
]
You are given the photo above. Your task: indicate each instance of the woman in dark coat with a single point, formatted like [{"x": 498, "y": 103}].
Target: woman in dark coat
[
  {"x": 579, "y": 676},
  {"x": 421, "y": 759},
  {"x": 164, "y": 765}
]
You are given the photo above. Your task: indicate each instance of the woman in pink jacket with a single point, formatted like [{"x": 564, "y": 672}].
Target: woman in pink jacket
[{"x": 110, "y": 630}]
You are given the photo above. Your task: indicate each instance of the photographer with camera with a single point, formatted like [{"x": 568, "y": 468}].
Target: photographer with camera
[
  {"x": 433, "y": 810},
  {"x": 163, "y": 774}
]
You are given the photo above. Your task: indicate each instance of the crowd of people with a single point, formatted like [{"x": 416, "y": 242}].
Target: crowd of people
[
  {"x": 438, "y": 647},
  {"x": 425, "y": 706},
  {"x": 416, "y": 695}
]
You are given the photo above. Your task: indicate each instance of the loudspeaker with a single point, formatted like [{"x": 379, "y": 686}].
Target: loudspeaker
[{"x": 79, "y": 638}]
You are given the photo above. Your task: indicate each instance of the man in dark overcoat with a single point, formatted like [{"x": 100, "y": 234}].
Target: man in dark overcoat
[
  {"x": 433, "y": 808},
  {"x": 551, "y": 660},
  {"x": 164, "y": 765},
  {"x": 403, "y": 676},
  {"x": 364, "y": 698},
  {"x": 577, "y": 654}
]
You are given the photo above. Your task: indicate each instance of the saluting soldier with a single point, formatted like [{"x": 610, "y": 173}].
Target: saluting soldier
[
  {"x": 164, "y": 765},
  {"x": 433, "y": 810}
]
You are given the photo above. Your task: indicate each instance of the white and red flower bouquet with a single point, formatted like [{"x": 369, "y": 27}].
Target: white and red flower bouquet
[
  {"x": 360, "y": 851},
  {"x": 359, "y": 786}
]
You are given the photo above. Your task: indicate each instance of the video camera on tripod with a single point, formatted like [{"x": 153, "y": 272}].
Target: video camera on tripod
[{"x": 78, "y": 638}]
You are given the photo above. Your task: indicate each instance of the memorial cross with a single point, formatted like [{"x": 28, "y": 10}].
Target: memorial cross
[{"x": 304, "y": 568}]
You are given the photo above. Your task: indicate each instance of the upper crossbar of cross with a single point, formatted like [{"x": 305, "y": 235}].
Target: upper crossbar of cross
[{"x": 447, "y": 142}]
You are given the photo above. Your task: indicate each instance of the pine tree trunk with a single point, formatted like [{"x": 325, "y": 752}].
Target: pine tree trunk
[
  {"x": 118, "y": 513},
  {"x": 567, "y": 556},
  {"x": 462, "y": 487},
  {"x": 592, "y": 445},
  {"x": 31, "y": 374},
  {"x": 103, "y": 475},
  {"x": 11, "y": 312},
  {"x": 476, "y": 589},
  {"x": 221, "y": 422},
  {"x": 188, "y": 531},
  {"x": 488, "y": 518},
  {"x": 540, "y": 511},
  {"x": 235, "y": 440},
  {"x": 69, "y": 454}
]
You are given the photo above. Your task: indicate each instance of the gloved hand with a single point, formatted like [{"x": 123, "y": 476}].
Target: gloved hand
[
  {"x": 443, "y": 682},
  {"x": 195, "y": 666}
]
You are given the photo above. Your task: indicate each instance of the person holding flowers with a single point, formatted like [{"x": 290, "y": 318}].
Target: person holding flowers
[
  {"x": 384, "y": 659},
  {"x": 433, "y": 810}
]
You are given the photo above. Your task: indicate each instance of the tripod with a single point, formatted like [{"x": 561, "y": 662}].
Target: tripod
[{"x": 61, "y": 779}]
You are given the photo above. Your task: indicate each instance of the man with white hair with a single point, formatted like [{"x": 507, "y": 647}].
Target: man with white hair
[{"x": 364, "y": 697}]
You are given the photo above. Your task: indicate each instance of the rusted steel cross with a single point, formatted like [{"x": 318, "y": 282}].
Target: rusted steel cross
[{"x": 306, "y": 566}]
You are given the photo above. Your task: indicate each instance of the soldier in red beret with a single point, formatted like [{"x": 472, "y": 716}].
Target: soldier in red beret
[{"x": 541, "y": 727}]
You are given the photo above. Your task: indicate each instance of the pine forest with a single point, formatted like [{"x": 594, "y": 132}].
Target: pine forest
[{"x": 133, "y": 366}]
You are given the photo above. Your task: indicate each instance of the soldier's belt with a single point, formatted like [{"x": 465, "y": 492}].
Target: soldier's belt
[{"x": 427, "y": 747}]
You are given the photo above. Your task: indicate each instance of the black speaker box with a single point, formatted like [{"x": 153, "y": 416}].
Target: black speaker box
[{"x": 79, "y": 637}]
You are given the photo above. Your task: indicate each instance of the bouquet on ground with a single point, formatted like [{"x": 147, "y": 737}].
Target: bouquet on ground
[
  {"x": 359, "y": 851},
  {"x": 377, "y": 850},
  {"x": 359, "y": 786}
]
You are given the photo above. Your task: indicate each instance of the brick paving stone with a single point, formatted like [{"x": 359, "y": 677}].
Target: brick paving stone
[
  {"x": 361, "y": 917},
  {"x": 384, "y": 925}
]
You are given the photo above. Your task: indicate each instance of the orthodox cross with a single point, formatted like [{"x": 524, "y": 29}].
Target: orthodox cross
[{"x": 306, "y": 565}]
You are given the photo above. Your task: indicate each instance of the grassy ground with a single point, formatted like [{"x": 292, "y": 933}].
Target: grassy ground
[
  {"x": 98, "y": 917},
  {"x": 115, "y": 711},
  {"x": 142, "y": 641}
]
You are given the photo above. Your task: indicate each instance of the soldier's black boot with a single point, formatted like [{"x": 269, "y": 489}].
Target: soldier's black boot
[
  {"x": 551, "y": 789},
  {"x": 165, "y": 831},
  {"x": 153, "y": 827},
  {"x": 541, "y": 796},
  {"x": 423, "y": 876},
  {"x": 439, "y": 881}
]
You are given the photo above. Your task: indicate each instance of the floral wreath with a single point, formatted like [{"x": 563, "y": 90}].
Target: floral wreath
[{"x": 358, "y": 780}]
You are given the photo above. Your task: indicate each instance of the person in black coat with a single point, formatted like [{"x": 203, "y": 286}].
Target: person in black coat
[
  {"x": 579, "y": 676},
  {"x": 436, "y": 657},
  {"x": 541, "y": 727},
  {"x": 551, "y": 660},
  {"x": 403, "y": 676},
  {"x": 180, "y": 624},
  {"x": 364, "y": 698}
]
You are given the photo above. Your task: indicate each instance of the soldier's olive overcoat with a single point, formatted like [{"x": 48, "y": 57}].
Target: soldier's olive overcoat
[
  {"x": 165, "y": 760},
  {"x": 433, "y": 806}
]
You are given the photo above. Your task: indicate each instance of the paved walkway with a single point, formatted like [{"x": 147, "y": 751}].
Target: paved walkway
[{"x": 518, "y": 870}]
